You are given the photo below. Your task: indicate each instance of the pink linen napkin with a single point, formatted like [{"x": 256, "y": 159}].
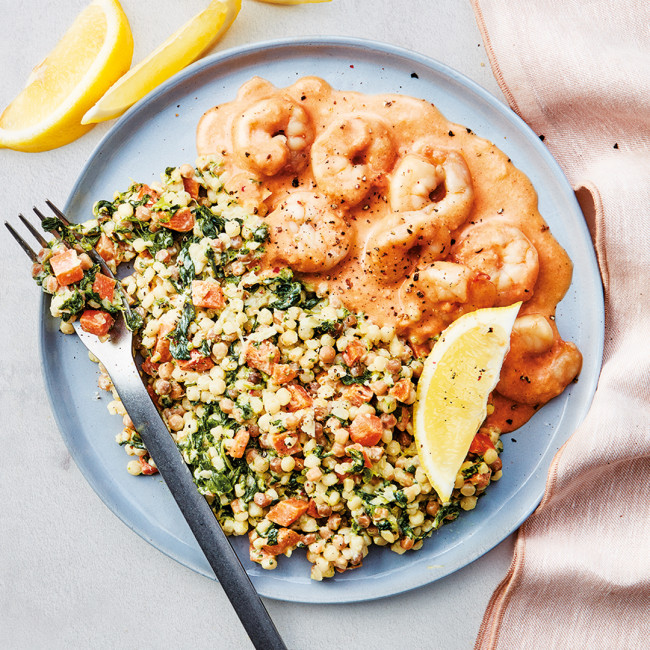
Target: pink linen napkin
[{"x": 579, "y": 73}]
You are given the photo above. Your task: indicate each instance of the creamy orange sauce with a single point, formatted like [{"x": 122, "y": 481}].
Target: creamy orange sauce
[{"x": 369, "y": 255}]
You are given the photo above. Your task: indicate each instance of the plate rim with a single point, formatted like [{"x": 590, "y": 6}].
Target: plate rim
[{"x": 381, "y": 49}]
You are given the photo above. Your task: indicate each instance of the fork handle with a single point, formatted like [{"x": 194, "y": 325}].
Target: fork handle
[{"x": 198, "y": 514}]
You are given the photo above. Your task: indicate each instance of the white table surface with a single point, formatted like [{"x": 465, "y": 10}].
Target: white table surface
[{"x": 71, "y": 574}]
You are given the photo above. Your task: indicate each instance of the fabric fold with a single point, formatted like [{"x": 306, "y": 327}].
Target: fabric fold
[{"x": 579, "y": 74}]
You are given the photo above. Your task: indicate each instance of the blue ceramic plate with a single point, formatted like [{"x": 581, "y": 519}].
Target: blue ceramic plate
[{"x": 158, "y": 132}]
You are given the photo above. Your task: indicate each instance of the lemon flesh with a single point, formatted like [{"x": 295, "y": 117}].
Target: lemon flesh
[
  {"x": 94, "y": 53},
  {"x": 178, "y": 51},
  {"x": 459, "y": 374}
]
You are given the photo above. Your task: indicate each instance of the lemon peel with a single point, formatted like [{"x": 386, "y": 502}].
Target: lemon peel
[{"x": 458, "y": 376}]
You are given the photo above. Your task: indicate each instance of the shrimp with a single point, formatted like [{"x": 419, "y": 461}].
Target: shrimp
[
  {"x": 307, "y": 233},
  {"x": 249, "y": 190},
  {"x": 539, "y": 365},
  {"x": 445, "y": 290},
  {"x": 505, "y": 254},
  {"x": 351, "y": 156},
  {"x": 273, "y": 135},
  {"x": 430, "y": 194},
  {"x": 433, "y": 184}
]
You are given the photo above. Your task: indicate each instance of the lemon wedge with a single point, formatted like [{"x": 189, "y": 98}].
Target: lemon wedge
[
  {"x": 92, "y": 55},
  {"x": 459, "y": 374},
  {"x": 178, "y": 51}
]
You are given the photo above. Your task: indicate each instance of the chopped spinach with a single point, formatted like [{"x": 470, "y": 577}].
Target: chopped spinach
[
  {"x": 347, "y": 380},
  {"x": 103, "y": 208},
  {"x": 186, "y": 270},
  {"x": 179, "y": 337},
  {"x": 358, "y": 459},
  {"x": 211, "y": 224},
  {"x": 261, "y": 234},
  {"x": 288, "y": 294},
  {"x": 73, "y": 305}
]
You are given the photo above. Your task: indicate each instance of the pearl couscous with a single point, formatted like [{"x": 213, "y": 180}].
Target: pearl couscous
[{"x": 293, "y": 413}]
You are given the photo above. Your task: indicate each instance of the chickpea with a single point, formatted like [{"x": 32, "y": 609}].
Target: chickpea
[
  {"x": 175, "y": 422},
  {"x": 162, "y": 387},
  {"x": 165, "y": 370},
  {"x": 327, "y": 354}
]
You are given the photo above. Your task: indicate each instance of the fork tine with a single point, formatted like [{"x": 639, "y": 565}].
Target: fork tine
[
  {"x": 23, "y": 244},
  {"x": 39, "y": 238},
  {"x": 41, "y": 216},
  {"x": 58, "y": 212}
]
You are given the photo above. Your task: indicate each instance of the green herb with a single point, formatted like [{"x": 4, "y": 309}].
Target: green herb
[
  {"x": 446, "y": 513},
  {"x": 73, "y": 305},
  {"x": 246, "y": 409},
  {"x": 186, "y": 270},
  {"x": 211, "y": 225},
  {"x": 272, "y": 536},
  {"x": 400, "y": 498},
  {"x": 359, "y": 461},
  {"x": 205, "y": 348},
  {"x": 347, "y": 380},
  {"x": 261, "y": 234},
  {"x": 103, "y": 208},
  {"x": 288, "y": 294},
  {"x": 327, "y": 327},
  {"x": 179, "y": 336}
]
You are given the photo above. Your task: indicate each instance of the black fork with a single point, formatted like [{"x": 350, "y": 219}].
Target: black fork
[{"x": 116, "y": 354}]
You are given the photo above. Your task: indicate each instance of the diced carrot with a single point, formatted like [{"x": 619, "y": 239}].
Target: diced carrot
[
  {"x": 191, "y": 186},
  {"x": 263, "y": 357},
  {"x": 145, "y": 468},
  {"x": 420, "y": 350},
  {"x": 287, "y": 511},
  {"x": 152, "y": 393},
  {"x": 366, "y": 429},
  {"x": 357, "y": 394},
  {"x": 481, "y": 443},
  {"x": 196, "y": 362},
  {"x": 300, "y": 398},
  {"x": 404, "y": 419},
  {"x": 481, "y": 481},
  {"x": 284, "y": 372},
  {"x": 279, "y": 442},
  {"x": 208, "y": 294},
  {"x": 239, "y": 443},
  {"x": 286, "y": 539},
  {"x": 353, "y": 352},
  {"x": 67, "y": 267},
  {"x": 167, "y": 325},
  {"x": 149, "y": 366},
  {"x": 162, "y": 348},
  {"x": 145, "y": 190},
  {"x": 104, "y": 286},
  {"x": 106, "y": 248},
  {"x": 401, "y": 390},
  {"x": 181, "y": 221},
  {"x": 366, "y": 459},
  {"x": 95, "y": 321}
]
